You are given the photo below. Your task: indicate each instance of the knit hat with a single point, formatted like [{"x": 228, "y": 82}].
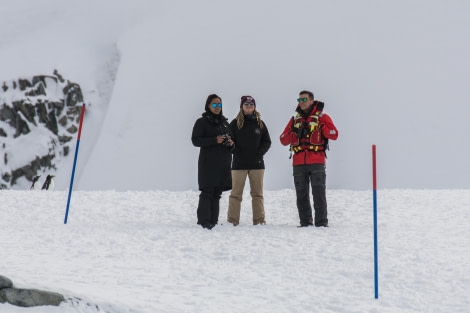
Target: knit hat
[{"x": 247, "y": 99}]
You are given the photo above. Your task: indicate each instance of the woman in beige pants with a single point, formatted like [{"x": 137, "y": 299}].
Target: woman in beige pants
[{"x": 252, "y": 141}]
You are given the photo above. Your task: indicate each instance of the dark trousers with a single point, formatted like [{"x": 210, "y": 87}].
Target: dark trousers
[
  {"x": 208, "y": 208},
  {"x": 305, "y": 176}
]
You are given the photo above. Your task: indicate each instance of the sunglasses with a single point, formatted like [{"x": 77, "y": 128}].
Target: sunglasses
[
  {"x": 248, "y": 104},
  {"x": 216, "y": 105},
  {"x": 302, "y": 99}
]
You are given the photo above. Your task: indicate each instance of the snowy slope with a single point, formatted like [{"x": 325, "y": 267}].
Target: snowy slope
[
  {"x": 77, "y": 38},
  {"x": 142, "y": 252}
]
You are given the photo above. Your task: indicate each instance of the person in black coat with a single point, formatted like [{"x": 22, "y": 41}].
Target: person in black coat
[
  {"x": 252, "y": 141},
  {"x": 212, "y": 134}
]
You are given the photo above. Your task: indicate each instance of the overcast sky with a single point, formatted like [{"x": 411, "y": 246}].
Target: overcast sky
[{"x": 394, "y": 74}]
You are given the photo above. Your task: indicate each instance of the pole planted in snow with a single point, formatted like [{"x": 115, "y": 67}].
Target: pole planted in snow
[
  {"x": 374, "y": 183},
  {"x": 82, "y": 113}
]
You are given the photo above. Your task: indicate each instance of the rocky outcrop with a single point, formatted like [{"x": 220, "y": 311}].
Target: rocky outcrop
[
  {"x": 5, "y": 282},
  {"x": 46, "y": 110},
  {"x": 27, "y": 297}
]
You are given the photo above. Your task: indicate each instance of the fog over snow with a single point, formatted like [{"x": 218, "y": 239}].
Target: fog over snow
[{"x": 394, "y": 74}]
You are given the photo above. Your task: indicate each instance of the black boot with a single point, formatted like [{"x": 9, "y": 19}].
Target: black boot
[{"x": 207, "y": 226}]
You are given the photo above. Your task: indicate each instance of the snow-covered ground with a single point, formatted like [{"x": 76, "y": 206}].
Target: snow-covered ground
[{"x": 142, "y": 252}]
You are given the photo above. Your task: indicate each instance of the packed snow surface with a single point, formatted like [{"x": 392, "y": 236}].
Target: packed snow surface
[{"x": 142, "y": 252}]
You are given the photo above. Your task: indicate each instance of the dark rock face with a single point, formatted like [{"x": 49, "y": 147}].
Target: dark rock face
[
  {"x": 5, "y": 282},
  {"x": 30, "y": 297},
  {"x": 27, "y": 297},
  {"x": 30, "y": 170},
  {"x": 28, "y": 107}
]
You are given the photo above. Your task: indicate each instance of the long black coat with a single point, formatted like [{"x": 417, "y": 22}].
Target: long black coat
[
  {"x": 214, "y": 159},
  {"x": 251, "y": 144}
]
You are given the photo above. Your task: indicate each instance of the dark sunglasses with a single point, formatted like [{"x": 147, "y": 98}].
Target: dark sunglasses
[
  {"x": 302, "y": 99},
  {"x": 248, "y": 103},
  {"x": 216, "y": 105}
]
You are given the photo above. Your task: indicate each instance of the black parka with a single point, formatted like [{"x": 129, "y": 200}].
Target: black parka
[
  {"x": 214, "y": 159},
  {"x": 251, "y": 144}
]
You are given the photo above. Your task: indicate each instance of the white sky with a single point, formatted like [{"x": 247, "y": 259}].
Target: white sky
[{"x": 394, "y": 74}]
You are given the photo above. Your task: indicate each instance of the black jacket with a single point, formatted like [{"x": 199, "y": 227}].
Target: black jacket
[
  {"x": 214, "y": 159},
  {"x": 251, "y": 144}
]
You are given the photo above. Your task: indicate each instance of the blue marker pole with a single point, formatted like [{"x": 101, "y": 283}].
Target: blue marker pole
[
  {"x": 74, "y": 162},
  {"x": 376, "y": 261}
]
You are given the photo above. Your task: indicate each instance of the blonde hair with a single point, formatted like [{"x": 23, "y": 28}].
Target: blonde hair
[{"x": 241, "y": 118}]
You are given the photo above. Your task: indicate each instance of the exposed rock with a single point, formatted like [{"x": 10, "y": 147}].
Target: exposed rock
[
  {"x": 26, "y": 109},
  {"x": 72, "y": 129},
  {"x": 61, "y": 79},
  {"x": 73, "y": 94},
  {"x": 30, "y": 297},
  {"x": 38, "y": 107},
  {"x": 64, "y": 139},
  {"x": 27, "y": 297},
  {"x": 37, "y": 91},
  {"x": 74, "y": 111},
  {"x": 31, "y": 170},
  {"x": 24, "y": 83},
  {"x": 7, "y": 114},
  {"x": 5, "y": 282},
  {"x": 6, "y": 178},
  {"x": 63, "y": 121},
  {"x": 42, "y": 79},
  {"x": 21, "y": 126}
]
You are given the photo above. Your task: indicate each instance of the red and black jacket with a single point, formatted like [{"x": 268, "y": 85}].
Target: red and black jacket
[{"x": 308, "y": 134}]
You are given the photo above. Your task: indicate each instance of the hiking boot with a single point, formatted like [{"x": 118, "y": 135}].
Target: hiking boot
[
  {"x": 233, "y": 223},
  {"x": 207, "y": 226}
]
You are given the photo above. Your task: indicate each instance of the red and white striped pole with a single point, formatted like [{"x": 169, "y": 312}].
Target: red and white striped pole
[{"x": 74, "y": 162}]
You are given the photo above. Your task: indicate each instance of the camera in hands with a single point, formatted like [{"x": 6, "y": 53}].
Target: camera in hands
[{"x": 226, "y": 141}]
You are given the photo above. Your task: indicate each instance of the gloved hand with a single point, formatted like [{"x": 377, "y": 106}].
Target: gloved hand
[{"x": 294, "y": 139}]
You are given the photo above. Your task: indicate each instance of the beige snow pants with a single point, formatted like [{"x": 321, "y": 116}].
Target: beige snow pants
[{"x": 256, "y": 191}]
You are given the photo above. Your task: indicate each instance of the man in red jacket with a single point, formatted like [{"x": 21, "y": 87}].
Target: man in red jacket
[{"x": 307, "y": 134}]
